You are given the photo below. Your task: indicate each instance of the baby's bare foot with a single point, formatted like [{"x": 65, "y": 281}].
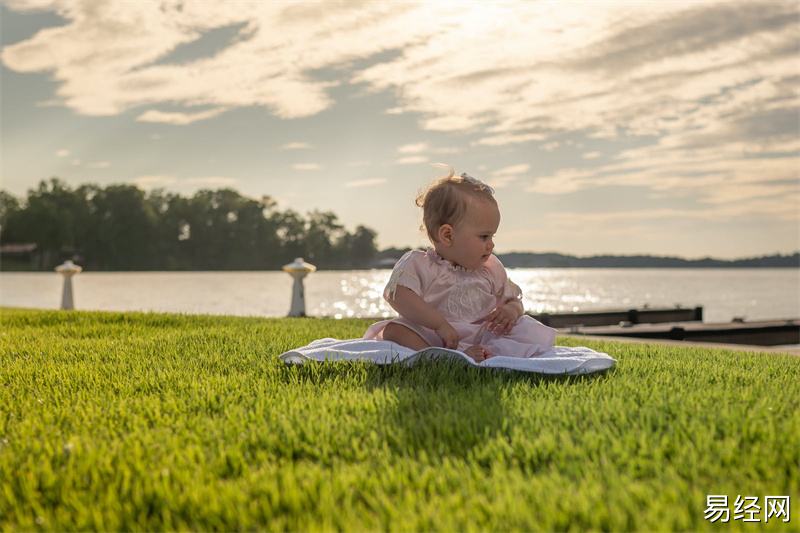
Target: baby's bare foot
[{"x": 478, "y": 353}]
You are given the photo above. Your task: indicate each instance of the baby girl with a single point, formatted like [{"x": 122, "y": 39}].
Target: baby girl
[{"x": 457, "y": 294}]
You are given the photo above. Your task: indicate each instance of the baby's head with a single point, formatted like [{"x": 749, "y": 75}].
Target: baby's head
[{"x": 449, "y": 200}]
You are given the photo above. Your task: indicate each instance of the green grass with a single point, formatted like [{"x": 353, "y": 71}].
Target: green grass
[{"x": 129, "y": 421}]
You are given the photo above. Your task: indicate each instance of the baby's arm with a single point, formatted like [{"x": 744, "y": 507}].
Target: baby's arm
[
  {"x": 412, "y": 307},
  {"x": 505, "y": 315}
]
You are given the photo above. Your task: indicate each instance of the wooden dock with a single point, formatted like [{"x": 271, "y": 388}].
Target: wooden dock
[
  {"x": 614, "y": 317},
  {"x": 762, "y": 333},
  {"x": 677, "y": 324}
]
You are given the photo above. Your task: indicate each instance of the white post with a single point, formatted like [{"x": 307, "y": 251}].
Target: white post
[
  {"x": 68, "y": 269},
  {"x": 298, "y": 270}
]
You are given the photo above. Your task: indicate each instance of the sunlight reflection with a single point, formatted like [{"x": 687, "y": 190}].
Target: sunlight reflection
[{"x": 759, "y": 294}]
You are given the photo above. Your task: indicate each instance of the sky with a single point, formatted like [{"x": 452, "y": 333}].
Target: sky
[{"x": 638, "y": 127}]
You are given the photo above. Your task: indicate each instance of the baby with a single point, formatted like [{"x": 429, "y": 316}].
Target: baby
[{"x": 457, "y": 294}]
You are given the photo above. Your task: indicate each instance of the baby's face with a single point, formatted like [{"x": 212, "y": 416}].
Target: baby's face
[{"x": 473, "y": 236}]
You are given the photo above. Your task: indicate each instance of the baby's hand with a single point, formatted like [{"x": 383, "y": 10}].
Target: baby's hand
[
  {"x": 448, "y": 334},
  {"x": 502, "y": 319}
]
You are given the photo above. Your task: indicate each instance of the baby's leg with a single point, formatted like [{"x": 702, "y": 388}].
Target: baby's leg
[{"x": 405, "y": 337}]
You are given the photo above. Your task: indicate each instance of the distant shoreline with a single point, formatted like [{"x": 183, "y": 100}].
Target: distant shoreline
[
  {"x": 387, "y": 258},
  {"x": 550, "y": 260},
  {"x": 557, "y": 260}
]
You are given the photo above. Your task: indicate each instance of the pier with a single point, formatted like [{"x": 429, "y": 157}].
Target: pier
[
  {"x": 761, "y": 333},
  {"x": 677, "y": 324},
  {"x": 614, "y": 317}
]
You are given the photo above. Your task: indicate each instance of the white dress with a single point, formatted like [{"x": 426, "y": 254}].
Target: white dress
[{"x": 464, "y": 297}]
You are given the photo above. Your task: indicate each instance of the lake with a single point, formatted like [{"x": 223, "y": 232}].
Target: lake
[{"x": 752, "y": 294}]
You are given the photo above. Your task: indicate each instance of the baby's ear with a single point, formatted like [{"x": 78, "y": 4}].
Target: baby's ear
[{"x": 445, "y": 234}]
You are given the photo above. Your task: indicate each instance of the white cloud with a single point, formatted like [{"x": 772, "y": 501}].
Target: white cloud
[
  {"x": 724, "y": 177},
  {"x": 501, "y": 182},
  {"x": 75, "y": 162},
  {"x": 510, "y": 138},
  {"x": 411, "y": 160},
  {"x": 707, "y": 97},
  {"x": 178, "y": 119},
  {"x": 306, "y": 166},
  {"x": 562, "y": 182},
  {"x": 448, "y": 150},
  {"x": 296, "y": 146},
  {"x": 412, "y": 148},
  {"x": 153, "y": 181},
  {"x": 526, "y": 71},
  {"x": 98, "y": 164},
  {"x": 419, "y": 148},
  {"x": 63, "y": 153},
  {"x": 211, "y": 180},
  {"x": 522, "y": 168},
  {"x": 549, "y": 147},
  {"x": 365, "y": 183},
  {"x": 503, "y": 177}
]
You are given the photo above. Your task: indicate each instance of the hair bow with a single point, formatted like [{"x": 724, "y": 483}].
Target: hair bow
[{"x": 475, "y": 181}]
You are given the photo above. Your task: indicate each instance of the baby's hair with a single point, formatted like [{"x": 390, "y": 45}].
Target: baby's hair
[{"x": 446, "y": 201}]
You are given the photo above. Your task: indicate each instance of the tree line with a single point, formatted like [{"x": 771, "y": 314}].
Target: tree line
[{"x": 121, "y": 227}]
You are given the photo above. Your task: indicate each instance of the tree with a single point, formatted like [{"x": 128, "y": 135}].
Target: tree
[
  {"x": 322, "y": 235},
  {"x": 9, "y": 208},
  {"x": 124, "y": 229},
  {"x": 120, "y": 227},
  {"x": 361, "y": 248},
  {"x": 50, "y": 218}
]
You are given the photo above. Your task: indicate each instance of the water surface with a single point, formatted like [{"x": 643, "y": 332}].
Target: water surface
[{"x": 753, "y": 294}]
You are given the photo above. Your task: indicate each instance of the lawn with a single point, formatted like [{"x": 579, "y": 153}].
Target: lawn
[{"x": 133, "y": 421}]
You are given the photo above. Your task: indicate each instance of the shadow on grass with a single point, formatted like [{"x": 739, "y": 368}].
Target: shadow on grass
[{"x": 438, "y": 408}]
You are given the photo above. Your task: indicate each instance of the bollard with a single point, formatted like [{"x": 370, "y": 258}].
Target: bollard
[
  {"x": 298, "y": 270},
  {"x": 68, "y": 269}
]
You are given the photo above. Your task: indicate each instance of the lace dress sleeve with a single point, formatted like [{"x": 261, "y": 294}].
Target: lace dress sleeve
[{"x": 411, "y": 272}]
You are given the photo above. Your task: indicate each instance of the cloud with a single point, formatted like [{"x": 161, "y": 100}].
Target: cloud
[
  {"x": 419, "y": 148},
  {"x": 549, "y": 147},
  {"x": 510, "y": 138},
  {"x": 154, "y": 181},
  {"x": 176, "y": 118},
  {"x": 306, "y": 166},
  {"x": 108, "y": 57},
  {"x": 412, "y": 148},
  {"x": 63, "y": 153},
  {"x": 296, "y": 146},
  {"x": 727, "y": 179},
  {"x": 505, "y": 176},
  {"x": 411, "y": 160},
  {"x": 212, "y": 180},
  {"x": 447, "y": 150},
  {"x": 522, "y": 168},
  {"x": 711, "y": 214},
  {"x": 710, "y": 89},
  {"x": 365, "y": 183},
  {"x": 527, "y": 71},
  {"x": 98, "y": 164}
]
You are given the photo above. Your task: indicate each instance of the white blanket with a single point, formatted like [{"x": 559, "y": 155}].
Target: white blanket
[{"x": 559, "y": 360}]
